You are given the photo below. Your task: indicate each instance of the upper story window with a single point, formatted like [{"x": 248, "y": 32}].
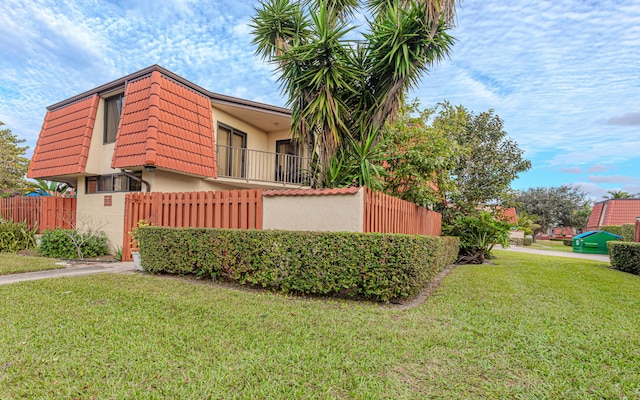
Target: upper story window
[
  {"x": 113, "y": 183},
  {"x": 232, "y": 146},
  {"x": 112, "y": 111}
]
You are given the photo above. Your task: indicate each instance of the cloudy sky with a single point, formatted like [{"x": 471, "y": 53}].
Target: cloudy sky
[{"x": 564, "y": 76}]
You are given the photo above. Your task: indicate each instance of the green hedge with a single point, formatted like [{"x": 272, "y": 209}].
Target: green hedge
[
  {"x": 527, "y": 241},
  {"x": 625, "y": 230},
  {"x": 625, "y": 256},
  {"x": 370, "y": 266},
  {"x": 65, "y": 243},
  {"x": 567, "y": 242}
]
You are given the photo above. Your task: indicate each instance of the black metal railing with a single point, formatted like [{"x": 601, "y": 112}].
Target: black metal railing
[{"x": 257, "y": 165}]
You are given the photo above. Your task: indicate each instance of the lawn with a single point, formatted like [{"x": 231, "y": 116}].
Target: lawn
[
  {"x": 552, "y": 245},
  {"x": 15, "y": 263},
  {"x": 527, "y": 327}
]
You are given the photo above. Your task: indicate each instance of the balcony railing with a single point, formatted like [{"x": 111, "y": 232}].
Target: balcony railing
[{"x": 264, "y": 166}]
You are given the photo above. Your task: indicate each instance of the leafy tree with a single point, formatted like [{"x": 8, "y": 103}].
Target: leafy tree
[
  {"x": 483, "y": 172},
  {"x": 619, "y": 194},
  {"x": 563, "y": 206},
  {"x": 13, "y": 163},
  {"x": 339, "y": 88},
  {"x": 419, "y": 157}
]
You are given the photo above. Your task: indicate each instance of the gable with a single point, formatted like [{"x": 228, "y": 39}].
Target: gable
[{"x": 63, "y": 144}]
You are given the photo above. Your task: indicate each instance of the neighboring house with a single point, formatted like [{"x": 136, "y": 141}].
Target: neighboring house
[
  {"x": 613, "y": 212},
  {"x": 155, "y": 131}
]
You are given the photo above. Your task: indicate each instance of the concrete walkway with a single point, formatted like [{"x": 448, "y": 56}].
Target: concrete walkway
[
  {"x": 78, "y": 270},
  {"x": 595, "y": 257}
]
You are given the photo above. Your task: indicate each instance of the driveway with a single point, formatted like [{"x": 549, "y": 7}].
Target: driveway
[
  {"x": 118, "y": 267},
  {"x": 595, "y": 257}
]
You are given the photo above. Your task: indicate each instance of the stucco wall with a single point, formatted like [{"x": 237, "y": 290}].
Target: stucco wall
[
  {"x": 340, "y": 213},
  {"x": 91, "y": 213}
]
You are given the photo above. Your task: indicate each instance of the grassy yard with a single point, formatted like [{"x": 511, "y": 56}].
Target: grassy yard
[
  {"x": 527, "y": 327},
  {"x": 15, "y": 263},
  {"x": 553, "y": 245}
]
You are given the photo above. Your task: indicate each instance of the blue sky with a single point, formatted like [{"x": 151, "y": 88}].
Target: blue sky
[{"x": 564, "y": 76}]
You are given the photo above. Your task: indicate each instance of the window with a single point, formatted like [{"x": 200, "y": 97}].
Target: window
[
  {"x": 113, "y": 183},
  {"x": 232, "y": 146},
  {"x": 112, "y": 111},
  {"x": 289, "y": 166}
]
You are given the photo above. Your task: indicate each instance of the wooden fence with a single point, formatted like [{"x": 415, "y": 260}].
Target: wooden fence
[
  {"x": 240, "y": 209},
  {"x": 40, "y": 212},
  {"x": 388, "y": 214}
]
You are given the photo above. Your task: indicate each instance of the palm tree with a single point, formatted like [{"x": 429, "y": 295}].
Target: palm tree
[
  {"x": 619, "y": 194},
  {"x": 339, "y": 88},
  {"x": 55, "y": 189}
]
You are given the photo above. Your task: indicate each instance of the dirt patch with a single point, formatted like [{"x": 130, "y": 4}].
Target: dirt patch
[{"x": 424, "y": 295}]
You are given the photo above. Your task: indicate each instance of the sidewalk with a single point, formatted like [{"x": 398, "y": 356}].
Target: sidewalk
[
  {"x": 595, "y": 257},
  {"x": 118, "y": 267}
]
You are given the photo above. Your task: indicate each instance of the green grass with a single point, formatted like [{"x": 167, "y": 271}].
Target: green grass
[
  {"x": 552, "y": 245},
  {"x": 15, "y": 263},
  {"x": 527, "y": 327}
]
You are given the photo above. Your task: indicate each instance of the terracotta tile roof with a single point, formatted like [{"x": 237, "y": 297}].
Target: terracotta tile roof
[
  {"x": 508, "y": 214},
  {"x": 614, "y": 212},
  {"x": 594, "y": 217},
  {"x": 63, "y": 144},
  {"x": 311, "y": 192},
  {"x": 166, "y": 125}
]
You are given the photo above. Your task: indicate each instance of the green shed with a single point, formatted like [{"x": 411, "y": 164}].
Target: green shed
[{"x": 593, "y": 242}]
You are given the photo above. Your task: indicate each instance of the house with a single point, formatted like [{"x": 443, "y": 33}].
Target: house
[
  {"x": 155, "y": 131},
  {"x": 614, "y": 212}
]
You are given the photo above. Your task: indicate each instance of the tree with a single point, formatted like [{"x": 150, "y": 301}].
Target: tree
[
  {"x": 339, "y": 88},
  {"x": 419, "y": 157},
  {"x": 529, "y": 223},
  {"x": 55, "y": 189},
  {"x": 483, "y": 173},
  {"x": 563, "y": 206},
  {"x": 619, "y": 194},
  {"x": 13, "y": 163}
]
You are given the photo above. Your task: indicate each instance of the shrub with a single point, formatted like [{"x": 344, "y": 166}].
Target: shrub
[
  {"x": 625, "y": 256},
  {"x": 627, "y": 231},
  {"x": 478, "y": 234},
  {"x": 16, "y": 236},
  {"x": 527, "y": 241},
  {"x": 567, "y": 242},
  {"x": 362, "y": 265},
  {"x": 69, "y": 243}
]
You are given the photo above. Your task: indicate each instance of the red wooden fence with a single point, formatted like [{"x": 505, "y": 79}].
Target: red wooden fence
[
  {"x": 388, "y": 214},
  {"x": 40, "y": 212},
  {"x": 240, "y": 209}
]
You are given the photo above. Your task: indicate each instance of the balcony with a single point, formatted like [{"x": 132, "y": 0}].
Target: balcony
[{"x": 262, "y": 166}]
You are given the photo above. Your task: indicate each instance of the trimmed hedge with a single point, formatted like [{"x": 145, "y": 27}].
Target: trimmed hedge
[
  {"x": 568, "y": 242},
  {"x": 362, "y": 265},
  {"x": 527, "y": 241},
  {"x": 625, "y": 256},
  {"x": 625, "y": 230}
]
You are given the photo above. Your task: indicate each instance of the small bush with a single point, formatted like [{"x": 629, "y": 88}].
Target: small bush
[
  {"x": 478, "y": 234},
  {"x": 362, "y": 265},
  {"x": 567, "y": 242},
  {"x": 625, "y": 256},
  {"x": 527, "y": 241},
  {"x": 69, "y": 243},
  {"x": 16, "y": 236},
  {"x": 627, "y": 231}
]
